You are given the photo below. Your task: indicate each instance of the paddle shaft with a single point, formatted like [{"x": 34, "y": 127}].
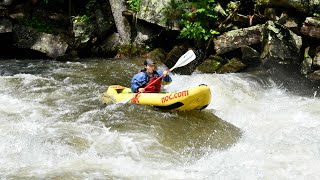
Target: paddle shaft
[
  {"x": 164, "y": 74},
  {"x": 182, "y": 61},
  {"x": 153, "y": 82}
]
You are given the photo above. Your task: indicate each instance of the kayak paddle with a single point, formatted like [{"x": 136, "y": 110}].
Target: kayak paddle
[{"x": 182, "y": 61}]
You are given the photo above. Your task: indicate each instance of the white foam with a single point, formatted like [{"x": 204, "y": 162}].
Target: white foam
[
  {"x": 67, "y": 136},
  {"x": 280, "y": 130}
]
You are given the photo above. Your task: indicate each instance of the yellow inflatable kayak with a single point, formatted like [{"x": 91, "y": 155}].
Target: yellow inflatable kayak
[{"x": 195, "y": 98}]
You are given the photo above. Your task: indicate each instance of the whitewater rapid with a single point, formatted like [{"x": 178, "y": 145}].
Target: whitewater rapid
[
  {"x": 280, "y": 130},
  {"x": 52, "y": 125}
]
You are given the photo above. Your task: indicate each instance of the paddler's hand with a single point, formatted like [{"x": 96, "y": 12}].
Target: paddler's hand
[
  {"x": 165, "y": 72},
  {"x": 141, "y": 90}
]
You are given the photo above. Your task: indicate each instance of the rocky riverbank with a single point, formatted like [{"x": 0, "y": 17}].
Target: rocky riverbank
[{"x": 257, "y": 33}]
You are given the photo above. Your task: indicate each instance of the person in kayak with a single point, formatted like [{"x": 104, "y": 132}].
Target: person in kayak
[{"x": 140, "y": 81}]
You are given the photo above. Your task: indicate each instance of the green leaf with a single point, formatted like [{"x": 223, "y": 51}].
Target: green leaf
[{"x": 200, "y": 10}]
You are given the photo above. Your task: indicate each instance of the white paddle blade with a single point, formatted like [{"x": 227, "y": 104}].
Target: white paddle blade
[{"x": 184, "y": 59}]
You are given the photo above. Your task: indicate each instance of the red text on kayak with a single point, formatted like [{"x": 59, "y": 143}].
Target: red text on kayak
[{"x": 175, "y": 95}]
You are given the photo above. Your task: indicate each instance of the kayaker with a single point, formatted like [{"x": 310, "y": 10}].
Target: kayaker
[{"x": 140, "y": 81}]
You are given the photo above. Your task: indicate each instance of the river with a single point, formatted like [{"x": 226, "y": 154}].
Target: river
[{"x": 53, "y": 126}]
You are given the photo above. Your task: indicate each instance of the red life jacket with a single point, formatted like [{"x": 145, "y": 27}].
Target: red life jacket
[{"x": 156, "y": 87}]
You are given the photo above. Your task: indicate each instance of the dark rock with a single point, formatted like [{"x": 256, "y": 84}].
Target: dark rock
[
  {"x": 3, "y": 11},
  {"x": 174, "y": 55},
  {"x": 102, "y": 21},
  {"x": 218, "y": 59},
  {"x": 5, "y": 25},
  {"x": 289, "y": 22},
  {"x": 314, "y": 76},
  {"x": 158, "y": 55},
  {"x": 6, "y": 2},
  {"x": 306, "y": 65},
  {"x": 279, "y": 45},
  {"x": 51, "y": 45},
  {"x": 250, "y": 56},
  {"x": 83, "y": 31},
  {"x": 152, "y": 11},
  {"x": 244, "y": 20},
  {"x": 289, "y": 77},
  {"x": 211, "y": 64},
  {"x": 144, "y": 32},
  {"x": 300, "y": 5},
  {"x": 234, "y": 65},
  {"x": 17, "y": 15},
  {"x": 311, "y": 27},
  {"x": 109, "y": 47},
  {"x": 237, "y": 38},
  {"x": 316, "y": 59},
  {"x": 271, "y": 14},
  {"x": 71, "y": 56}
]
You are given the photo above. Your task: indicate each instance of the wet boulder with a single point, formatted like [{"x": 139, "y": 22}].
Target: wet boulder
[
  {"x": 103, "y": 21},
  {"x": 311, "y": 27},
  {"x": 211, "y": 64},
  {"x": 233, "y": 65},
  {"x": 250, "y": 56},
  {"x": 83, "y": 30},
  {"x": 144, "y": 32},
  {"x": 109, "y": 47},
  {"x": 51, "y": 45},
  {"x": 270, "y": 14},
  {"x": 5, "y": 25},
  {"x": 152, "y": 11},
  {"x": 157, "y": 55},
  {"x": 235, "y": 39},
  {"x": 176, "y": 53},
  {"x": 300, "y": 5},
  {"x": 308, "y": 7},
  {"x": 306, "y": 65},
  {"x": 316, "y": 59},
  {"x": 289, "y": 22},
  {"x": 314, "y": 76},
  {"x": 5, "y": 37},
  {"x": 279, "y": 45},
  {"x": 6, "y": 2}
]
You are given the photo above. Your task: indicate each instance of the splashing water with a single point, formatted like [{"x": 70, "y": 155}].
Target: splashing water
[{"x": 53, "y": 126}]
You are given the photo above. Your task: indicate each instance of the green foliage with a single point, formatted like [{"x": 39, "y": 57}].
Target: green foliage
[
  {"x": 194, "y": 30},
  {"x": 197, "y": 18},
  {"x": 36, "y": 23},
  {"x": 134, "y": 5},
  {"x": 81, "y": 19},
  {"x": 231, "y": 7}
]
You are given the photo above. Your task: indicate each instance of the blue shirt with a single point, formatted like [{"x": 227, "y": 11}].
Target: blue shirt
[{"x": 141, "y": 79}]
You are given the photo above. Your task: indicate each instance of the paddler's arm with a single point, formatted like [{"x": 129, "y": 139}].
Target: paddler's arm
[
  {"x": 138, "y": 81},
  {"x": 165, "y": 79}
]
